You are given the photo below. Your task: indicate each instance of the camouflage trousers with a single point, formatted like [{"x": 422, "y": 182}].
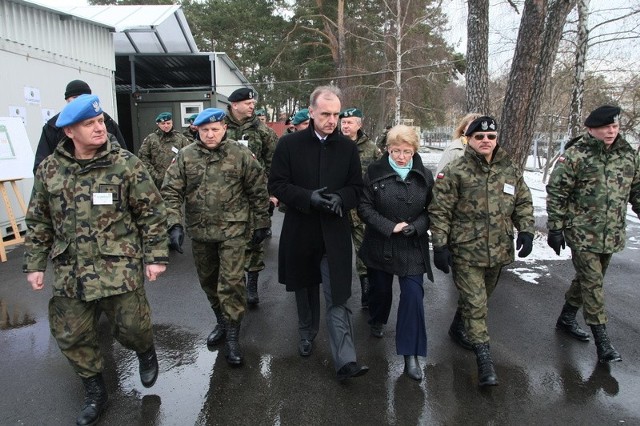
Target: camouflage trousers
[
  {"x": 74, "y": 325},
  {"x": 254, "y": 254},
  {"x": 357, "y": 235},
  {"x": 587, "y": 288},
  {"x": 475, "y": 285},
  {"x": 220, "y": 271}
]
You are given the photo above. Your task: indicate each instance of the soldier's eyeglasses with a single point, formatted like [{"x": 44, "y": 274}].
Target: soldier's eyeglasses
[{"x": 481, "y": 136}]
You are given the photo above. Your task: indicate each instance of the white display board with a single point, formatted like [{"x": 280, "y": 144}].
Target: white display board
[{"x": 16, "y": 154}]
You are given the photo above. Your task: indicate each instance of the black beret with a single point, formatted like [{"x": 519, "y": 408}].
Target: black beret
[
  {"x": 482, "y": 124},
  {"x": 77, "y": 88},
  {"x": 242, "y": 95},
  {"x": 603, "y": 116}
]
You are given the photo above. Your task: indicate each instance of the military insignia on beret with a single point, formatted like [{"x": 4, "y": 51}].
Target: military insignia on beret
[
  {"x": 440, "y": 175},
  {"x": 96, "y": 106},
  {"x": 616, "y": 118}
]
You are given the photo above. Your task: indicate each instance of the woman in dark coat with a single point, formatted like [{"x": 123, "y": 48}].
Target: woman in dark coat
[{"x": 397, "y": 192}]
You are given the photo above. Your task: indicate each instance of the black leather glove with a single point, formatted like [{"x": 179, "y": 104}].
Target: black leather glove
[
  {"x": 176, "y": 238},
  {"x": 259, "y": 235},
  {"x": 272, "y": 207},
  {"x": 335, "y": 203},
  {"x": 442, "y": 258},
  {"x": 555, "y": 240},
  {"x": 318, "y": 202},
  {"x": 409, "y": 230},
  {"x": 525, "y": 240}
]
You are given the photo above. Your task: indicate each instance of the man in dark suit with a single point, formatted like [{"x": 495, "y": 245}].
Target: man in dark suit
[{"x": 316, "y": 173}]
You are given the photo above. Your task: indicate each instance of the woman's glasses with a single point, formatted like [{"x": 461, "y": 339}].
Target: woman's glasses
[
  {"x": 397, "y": 152},
  {"x": 481, "y": 136}
]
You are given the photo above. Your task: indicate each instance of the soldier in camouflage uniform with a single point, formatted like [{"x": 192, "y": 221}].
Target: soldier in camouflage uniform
[
  {"x": 221, "y": 183},
  {"x": 245, "y": 127},
  {"x": 161, "y": 146},
  {"x": 351, "y": 127},
  {"x": 96, "y": 213},
  {"x": 587, "y": 198},
  {"x": 192, "y": 131},
  {"x": 477, "y": 201}
]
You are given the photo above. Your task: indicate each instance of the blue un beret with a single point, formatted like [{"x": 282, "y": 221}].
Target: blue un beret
[
  {"x": 164, "y": 116},
  {"x": 482, "y": 124},
  {"x": 300, "y": 117},
  {"x": 209, "y": 115},
  {"x": 79, "y": 109}
]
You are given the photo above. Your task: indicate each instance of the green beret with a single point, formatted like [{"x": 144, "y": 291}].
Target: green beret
[
  {"x": 164, "y": 116},
  {"x": 300, "y": 116},
  {"x": 261, "y": 111},
  {"x": 351, "y": 112},
  {"x": 603, "y": 116},
  {"x": 192, "y": 118}
]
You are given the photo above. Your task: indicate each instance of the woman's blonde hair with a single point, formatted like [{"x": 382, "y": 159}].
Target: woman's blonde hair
[
  {"x": 464, "y": 122},
  {"x": 403, "y": 134}
]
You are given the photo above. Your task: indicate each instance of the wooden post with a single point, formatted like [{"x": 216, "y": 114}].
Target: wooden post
[{"x": 17, "y": 238}]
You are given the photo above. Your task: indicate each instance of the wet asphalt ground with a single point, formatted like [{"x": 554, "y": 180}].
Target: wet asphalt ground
[{"x": 545, "y": 376}]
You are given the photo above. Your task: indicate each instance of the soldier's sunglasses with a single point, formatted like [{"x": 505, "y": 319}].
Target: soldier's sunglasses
[{"x": 481, "y": 136}]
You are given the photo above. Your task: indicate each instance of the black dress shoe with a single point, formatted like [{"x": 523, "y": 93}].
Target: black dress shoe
[
  {"x": 377, "y": 330},
  {"x": 351, "y": 369},
  {"x": 305, "y": 347},
  {"x": 148, "y": 367}
]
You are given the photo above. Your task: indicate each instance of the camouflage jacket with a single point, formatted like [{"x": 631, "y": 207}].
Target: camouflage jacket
[
  {"x": 98, "y": 244},
  {"x": 187, "y": 134},
  {"x": 475, "y": 207},
  {"x": 259, "y": 137},
  {"x": 219, "y": 188},
  {"x": 588, "y": 192},
  {"x": 368, "y": 153},
  {"x": 157, "y": 151}
]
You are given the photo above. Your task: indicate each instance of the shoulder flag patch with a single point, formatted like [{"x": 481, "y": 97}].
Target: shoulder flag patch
[
  {"x": 561, "y": 159},
  {"x": 440, "y": 175}
]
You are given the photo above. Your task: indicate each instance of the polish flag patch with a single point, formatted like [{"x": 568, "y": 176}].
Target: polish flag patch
[
  {"x": 440, "y": 176},
  {"x": 560, "y": 159}
]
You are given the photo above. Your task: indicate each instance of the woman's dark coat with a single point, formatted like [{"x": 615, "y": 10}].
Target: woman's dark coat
[
  {"x": 388, "y": 200},
  {"x": 302, "y": 164}
]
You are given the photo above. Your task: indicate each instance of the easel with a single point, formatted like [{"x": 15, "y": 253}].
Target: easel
[{"x": 17, "y": 238}]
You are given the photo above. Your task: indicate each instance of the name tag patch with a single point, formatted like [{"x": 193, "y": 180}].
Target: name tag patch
[
  {"x": 102, "y": 198},
  {"x": 509, "y": 189}
]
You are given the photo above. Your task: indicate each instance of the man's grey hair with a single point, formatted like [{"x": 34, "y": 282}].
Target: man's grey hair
[{"x": 322, "y": 91}]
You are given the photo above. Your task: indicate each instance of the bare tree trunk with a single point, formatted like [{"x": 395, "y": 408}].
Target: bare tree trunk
[
  {"x": 398, "y": 76},
  {"x": 477, "y": 74},
  {"x": 577, "y": 94},
  {"x": 536, "y": 48}
]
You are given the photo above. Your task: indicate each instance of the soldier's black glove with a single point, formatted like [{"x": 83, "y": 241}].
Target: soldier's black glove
[
  {"x": 318, "y": 202},
  {"x": 555, "y": 240},
  {"x": 525, "y": 240},
  {"x": 335, "y": 203},
  {"x": 409, "y": 230},
  {"x": 442, "y": 258},
  {"x": 259, "y": 235},
  {"x": 176, "y": 238},
  {"x": 272, "y": 207}
]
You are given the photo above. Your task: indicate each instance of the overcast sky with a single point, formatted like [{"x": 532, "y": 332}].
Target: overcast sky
[{"x": 503, "y": 28}]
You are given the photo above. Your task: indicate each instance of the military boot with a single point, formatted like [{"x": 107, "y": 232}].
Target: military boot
[
  {"x": 486, "y": 373},
  {"x": 567, "y": 323},
  {"x": 234, "y": 354},
  {"x": 606, "y": 352},
  {"x": 220, "y": 329},
  {"x": 458, "y": 333},
  {"x": 252, "y": 288},
  {"x": 364, "y": 286},
  {"x": 95, "y": 400},
  {"x": 148, "y": 367}
]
